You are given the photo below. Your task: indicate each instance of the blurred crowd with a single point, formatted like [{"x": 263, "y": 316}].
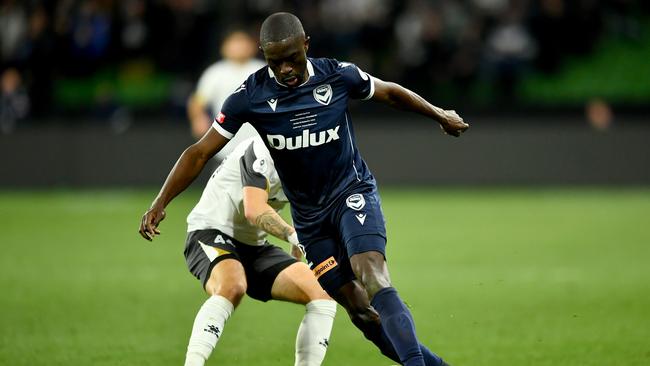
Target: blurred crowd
[{"x": 425, "y": 44}]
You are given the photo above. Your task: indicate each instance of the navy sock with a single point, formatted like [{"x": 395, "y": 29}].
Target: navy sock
[
  {"x": 430, "y": 358},
  {"x": 398, "y": 325},
  {"x": 378, "y": 336},
  {"x": 375, "y": 333}
]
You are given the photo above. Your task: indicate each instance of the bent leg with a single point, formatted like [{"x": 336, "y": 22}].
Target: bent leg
[
  {"x": 227, "y": 286},
  {"x": 396, "y": 320},
  {"x": 353, "y": 297},
  {"x": 297, "y": 284}
]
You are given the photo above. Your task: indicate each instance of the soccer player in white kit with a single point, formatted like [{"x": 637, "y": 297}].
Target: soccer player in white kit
[
  {"x": 218, "y": 81},
  {"x": 227, "y": 250}
]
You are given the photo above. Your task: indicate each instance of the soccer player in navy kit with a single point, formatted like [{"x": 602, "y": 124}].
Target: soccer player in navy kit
[{"x": 299, "y": 107}]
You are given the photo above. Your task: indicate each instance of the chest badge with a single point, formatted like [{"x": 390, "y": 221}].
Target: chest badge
[{"x": 323, "y": 94}]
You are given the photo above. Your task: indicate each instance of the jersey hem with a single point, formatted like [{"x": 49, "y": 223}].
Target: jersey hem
[
  {"x": 372, "y": 88},
  {"x": 222, "y": 131}
]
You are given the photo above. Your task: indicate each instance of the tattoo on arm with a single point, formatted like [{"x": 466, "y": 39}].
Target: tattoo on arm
[{"x": 273, "y": 224}]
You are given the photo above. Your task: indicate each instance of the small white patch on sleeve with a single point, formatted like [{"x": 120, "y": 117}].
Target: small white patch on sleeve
[{"x": 261, "y": 166}]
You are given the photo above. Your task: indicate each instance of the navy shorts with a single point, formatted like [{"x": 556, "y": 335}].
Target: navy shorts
[
  {"x": 353, "y": 225},
  {"x": 262, "y": 264}
]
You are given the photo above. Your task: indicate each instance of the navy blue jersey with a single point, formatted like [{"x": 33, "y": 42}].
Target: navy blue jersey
[{"x": 307, "y": 129}]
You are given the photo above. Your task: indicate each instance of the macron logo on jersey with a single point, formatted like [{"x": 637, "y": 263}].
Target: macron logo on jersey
[
  {"x": 305, "y": 140},
  {"x": 273, "y": 103}
]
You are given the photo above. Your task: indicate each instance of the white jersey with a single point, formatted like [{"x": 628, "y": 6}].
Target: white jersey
[
  {"x": 222, "y": 78},
  {"x": 217, "y": 83},
  {"x": 221, "y": 205}
]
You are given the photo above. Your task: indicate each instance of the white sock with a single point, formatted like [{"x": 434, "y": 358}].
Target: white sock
[
  {"x": 207, "y": 329},
  {"x": 314, "y": 332}
]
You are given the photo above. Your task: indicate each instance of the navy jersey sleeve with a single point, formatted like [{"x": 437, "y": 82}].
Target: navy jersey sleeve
[
  {"x": 360, "y": 84},
  {"x": 233, "y": 113},
  {"x": 255, "y": 168}
]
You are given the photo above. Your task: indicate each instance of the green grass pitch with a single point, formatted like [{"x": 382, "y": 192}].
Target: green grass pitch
[{"x": 493, "y": 277}]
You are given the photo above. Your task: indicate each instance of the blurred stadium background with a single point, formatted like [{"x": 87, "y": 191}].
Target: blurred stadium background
[{"x": 525, "y": 242}]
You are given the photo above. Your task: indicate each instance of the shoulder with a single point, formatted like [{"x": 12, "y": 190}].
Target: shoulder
[
  {"x": 327, "y": 66},
  {"x": 240, "y": 96},
  {"x": 256, "y": 64},
  {"x": 256, "y": 165},
  {"x": 215, "y": 69}
]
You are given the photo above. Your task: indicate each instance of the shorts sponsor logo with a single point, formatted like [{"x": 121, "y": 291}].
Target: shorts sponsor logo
[
  {"x": 356, "y": 201},
  {"x": 221, "y": 117},
  {"x": 325, "y": 267},
  {"x": 323, "y": 94}
]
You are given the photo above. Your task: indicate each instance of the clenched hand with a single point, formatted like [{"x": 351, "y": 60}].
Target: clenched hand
[
  {"x": 452, "y": 124},
  {"x": 150, "y": 221}
]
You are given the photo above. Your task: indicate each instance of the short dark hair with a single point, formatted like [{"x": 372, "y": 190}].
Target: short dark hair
[{"x": 279, "y": 26}]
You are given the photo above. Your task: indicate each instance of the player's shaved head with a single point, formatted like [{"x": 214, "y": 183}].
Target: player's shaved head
[{"x": 280, "y": 26}]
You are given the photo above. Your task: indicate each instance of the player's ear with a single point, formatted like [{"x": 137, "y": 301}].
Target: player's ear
[{"x": 306, "y": 43}]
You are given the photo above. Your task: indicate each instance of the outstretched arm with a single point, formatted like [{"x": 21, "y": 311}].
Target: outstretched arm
[
  {"x": 259, "y": 213},
  {"x": 399, "y": 97},
  {"x": 188, "y": 166}
]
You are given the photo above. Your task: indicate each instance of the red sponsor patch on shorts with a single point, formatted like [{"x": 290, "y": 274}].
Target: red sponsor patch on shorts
[
  {"x": 325, "y": 266},
  {"x": 221, "y": 117}
]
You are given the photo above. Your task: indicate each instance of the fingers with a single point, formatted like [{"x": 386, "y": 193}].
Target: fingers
[
  {"x": 144, "y": 231},
  {"x": 149, "y": 225},
  {"x": 455, "y": 125}
]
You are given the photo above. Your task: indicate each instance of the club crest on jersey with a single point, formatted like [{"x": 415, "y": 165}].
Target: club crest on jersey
[
  {"x": 323, "y": 94},
  {"x": 356, "y": 201},
  {"x": 273, "y": 103}
]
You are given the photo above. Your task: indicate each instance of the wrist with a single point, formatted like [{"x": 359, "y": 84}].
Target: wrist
[{"x": 293, "y": 238}]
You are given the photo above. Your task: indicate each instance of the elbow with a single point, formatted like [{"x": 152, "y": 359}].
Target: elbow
[
  {"x": 195, "y": 153},
  {"x": 251, "y": 216},
  {"x": 394, "y": 95},
  {"x": 251, "y": 213}
]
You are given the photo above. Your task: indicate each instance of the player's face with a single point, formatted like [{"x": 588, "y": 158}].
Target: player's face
[{"x": 288, "y": 60}]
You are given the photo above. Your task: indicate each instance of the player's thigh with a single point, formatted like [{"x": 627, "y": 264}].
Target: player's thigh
[
  {"x": 370, "y": 266},
  {"x": 361, "y": 216},
  {"x": 329, "y": 262},
  {"x": 227, "y": 279},
  {"x": 263, "y": 265},
  {"x": 213, "y": 259},
  {"x": 297, "y": 284}
]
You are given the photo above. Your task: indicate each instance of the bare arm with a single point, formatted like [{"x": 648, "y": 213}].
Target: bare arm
[
  {"x": 259, "y": 213},
  {"x": 399, "y": 97},
  {"x": 199, "y": 120},
  {"x": 186, "y": 169}
]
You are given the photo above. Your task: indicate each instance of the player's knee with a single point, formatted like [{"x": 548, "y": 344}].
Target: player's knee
[
  {"x": 363, "y": 318},
  {"x": 234, "y": 291},
  {"x": 315, "y": 292},
  {"x": 370, "y": 268},
  {"x": 373, "y": 286}
]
